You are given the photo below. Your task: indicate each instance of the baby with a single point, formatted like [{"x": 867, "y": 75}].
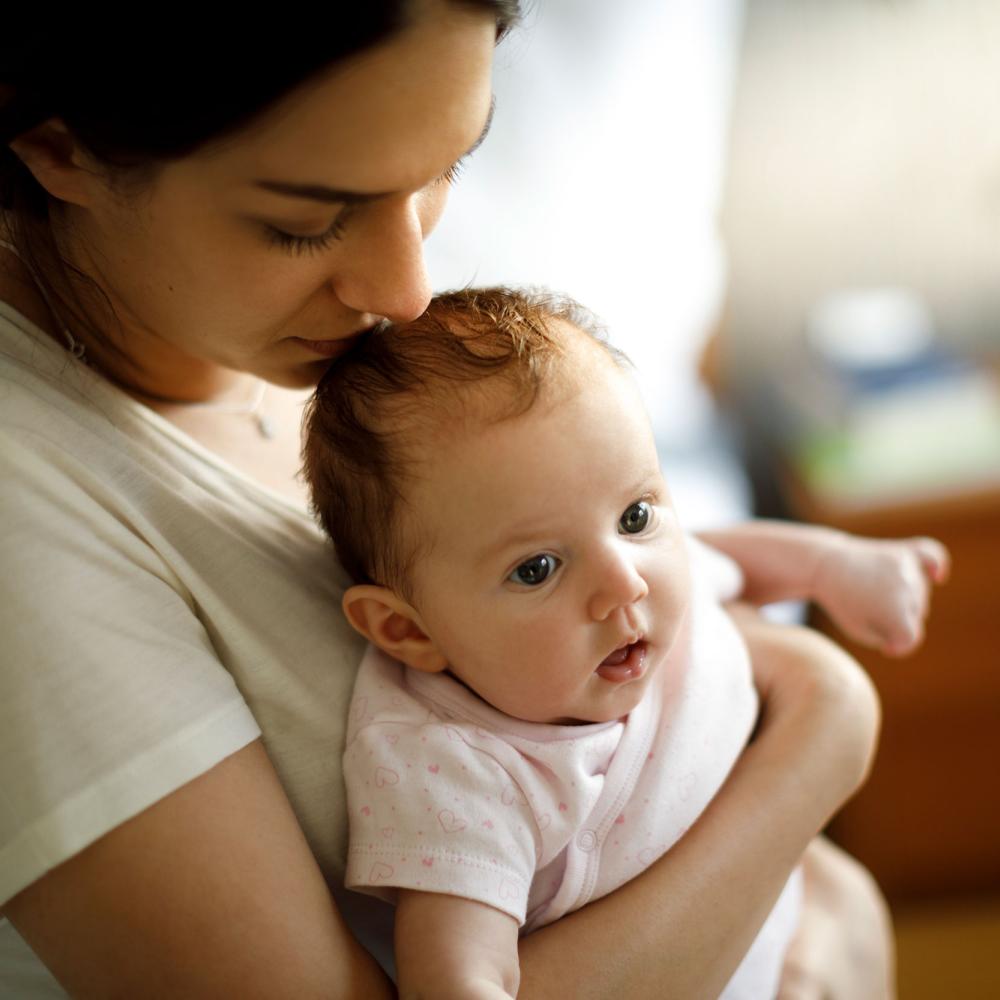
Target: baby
[{"x": 554, "y": 692}]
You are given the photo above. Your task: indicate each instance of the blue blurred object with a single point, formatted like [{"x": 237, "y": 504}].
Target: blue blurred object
[
  {"x": 877, "y": 340},
  {"x": 875, "y": 407}
]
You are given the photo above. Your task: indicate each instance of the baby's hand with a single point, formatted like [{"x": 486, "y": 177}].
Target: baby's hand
[{"x": 878, "y": 591}]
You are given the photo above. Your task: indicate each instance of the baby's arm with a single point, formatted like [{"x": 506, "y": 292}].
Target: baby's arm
[
  {"x": 876, "y": 590},
  {"x": 447, "y": 946}
]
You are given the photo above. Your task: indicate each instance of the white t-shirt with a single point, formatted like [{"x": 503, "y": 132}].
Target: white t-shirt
[{"x": 156, "y": 607}]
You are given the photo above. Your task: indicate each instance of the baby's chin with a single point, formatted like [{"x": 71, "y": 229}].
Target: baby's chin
[
  {"x": 618, "y": 707},
  {"x": 613, "y": 714}
]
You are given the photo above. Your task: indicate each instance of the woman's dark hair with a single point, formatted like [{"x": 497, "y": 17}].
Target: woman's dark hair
[{"x": 138, "y": 99}]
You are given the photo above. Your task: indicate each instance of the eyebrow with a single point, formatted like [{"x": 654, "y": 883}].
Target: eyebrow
[
  {"x": 339, "y": 196},
  {"x": 524, "y": 536},
  {"x": 503, "y": 545}
]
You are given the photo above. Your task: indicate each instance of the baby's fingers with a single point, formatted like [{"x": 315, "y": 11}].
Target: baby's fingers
[
  {"x": 895, "y": 632},
  {"x": 934, "y": 558},
  {"x": 904, "y": 638},
  {"x": 901, "y": 626}
]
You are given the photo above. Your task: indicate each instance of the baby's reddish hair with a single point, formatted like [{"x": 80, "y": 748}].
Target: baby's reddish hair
[{"x": 377, "y": 404}]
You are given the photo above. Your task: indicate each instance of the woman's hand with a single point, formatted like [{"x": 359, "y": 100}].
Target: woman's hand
[{"x": 843, "y": 949}]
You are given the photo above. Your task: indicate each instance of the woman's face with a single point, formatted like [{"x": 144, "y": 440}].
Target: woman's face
[{"x": 270, "y": 252}]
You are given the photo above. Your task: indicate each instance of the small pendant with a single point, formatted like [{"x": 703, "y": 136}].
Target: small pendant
[{"x": 267, "y": 427}]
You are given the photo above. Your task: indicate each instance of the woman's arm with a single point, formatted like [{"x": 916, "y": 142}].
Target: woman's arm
[
  {"x": 682, "y": 927},
  {"x": 451, "y": 947},
  {"x": 211, "y": 892}
]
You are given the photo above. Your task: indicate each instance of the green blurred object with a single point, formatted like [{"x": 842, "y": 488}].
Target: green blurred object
[
  {"x": 877, "y": 409},
  {"x": 917, "y": 440}
]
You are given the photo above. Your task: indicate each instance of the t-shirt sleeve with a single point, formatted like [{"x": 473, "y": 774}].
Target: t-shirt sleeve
[
  {"x": 111, "y": 694},
  {"x": 720, "y": 575},
  {"x": 429, "y": 811}
]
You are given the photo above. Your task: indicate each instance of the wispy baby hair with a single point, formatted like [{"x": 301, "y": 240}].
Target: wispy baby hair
[{"x": 380, "y": 405}]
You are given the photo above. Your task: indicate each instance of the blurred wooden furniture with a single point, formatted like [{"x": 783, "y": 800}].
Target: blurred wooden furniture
[
  {"x": 928, "y": 820},
  {"x": 948, "y": 949}
]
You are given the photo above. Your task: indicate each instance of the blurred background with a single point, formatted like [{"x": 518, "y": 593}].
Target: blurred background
[{"x": 788, "y": 214}]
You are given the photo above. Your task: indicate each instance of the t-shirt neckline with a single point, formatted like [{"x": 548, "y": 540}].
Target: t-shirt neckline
[{"x": 134, "y": 408}]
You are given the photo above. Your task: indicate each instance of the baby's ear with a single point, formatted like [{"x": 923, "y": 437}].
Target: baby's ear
[{"x": 390, "y": 623}]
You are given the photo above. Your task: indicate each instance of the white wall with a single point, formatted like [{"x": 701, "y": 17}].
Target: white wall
[{"x": 601, "y": 178}]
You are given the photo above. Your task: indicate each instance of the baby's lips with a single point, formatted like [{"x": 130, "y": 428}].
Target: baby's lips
[
  {"x": 616, "y": 657},
  {"x": 625, "y": 663}
]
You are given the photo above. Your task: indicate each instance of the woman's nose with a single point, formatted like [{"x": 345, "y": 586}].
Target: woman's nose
[
  {"x": 619, "y": 584},
  {"x": 383, "y": 271}
]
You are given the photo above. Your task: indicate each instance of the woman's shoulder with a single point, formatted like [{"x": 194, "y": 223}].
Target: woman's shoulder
[
  {"x": 156, "y": 607},
  {"x": 52, "y": 407}
]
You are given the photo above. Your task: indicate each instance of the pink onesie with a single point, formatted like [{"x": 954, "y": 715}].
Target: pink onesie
[{"x": 447, "y": 794}]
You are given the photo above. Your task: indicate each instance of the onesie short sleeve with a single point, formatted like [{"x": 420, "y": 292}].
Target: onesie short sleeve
[
  {"x": 431, "y": 812},
  {"x": 111, "y": 694},
  {"x": 711, "y": 569}
]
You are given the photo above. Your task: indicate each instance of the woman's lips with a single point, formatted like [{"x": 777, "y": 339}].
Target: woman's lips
[
  {"x": 327, "y": 348},
  {"x": 626, "y": 663},
  {"x": 337, "y": 346}
]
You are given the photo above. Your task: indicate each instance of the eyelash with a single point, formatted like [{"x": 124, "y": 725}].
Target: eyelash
[
  {"x": 315, "y": 244},
  {"x": 306, "y": 244},
  {"x": 452, "y": 174}
]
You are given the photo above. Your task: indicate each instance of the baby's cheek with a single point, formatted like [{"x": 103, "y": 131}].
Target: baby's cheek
[
  {"x": 675, "y": 587},
  {"x": 504, "y": 667}
]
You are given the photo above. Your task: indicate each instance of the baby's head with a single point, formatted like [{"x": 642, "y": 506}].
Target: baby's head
[{"x": 489, "y": 479}]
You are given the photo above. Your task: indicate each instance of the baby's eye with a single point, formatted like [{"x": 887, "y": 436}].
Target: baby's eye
[
  {"x": 535, "y": 570},
  {"x": 636, "y": 518}
]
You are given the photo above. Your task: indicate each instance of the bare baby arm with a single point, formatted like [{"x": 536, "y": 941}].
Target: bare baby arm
[
  {"x": 877, "y": 591},
  {"x": 449, "y": 946}
]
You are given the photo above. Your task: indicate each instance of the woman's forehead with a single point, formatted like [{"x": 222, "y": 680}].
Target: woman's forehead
[{"x": 388, "y": 119}]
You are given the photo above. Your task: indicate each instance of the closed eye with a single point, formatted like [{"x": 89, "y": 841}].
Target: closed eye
[
  {"x": 452, "y": 174},
  {"x": 307, "y": 244},
  {"x": 296, "y": 244}
]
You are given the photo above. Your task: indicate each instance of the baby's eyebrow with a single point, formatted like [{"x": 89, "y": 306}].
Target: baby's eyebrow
[
  {"x": 515, "y": 539},
  {"x": 528, "y": 534},
  {"x": 649, "y": 485},
  {"x": 342, "y": 196}
]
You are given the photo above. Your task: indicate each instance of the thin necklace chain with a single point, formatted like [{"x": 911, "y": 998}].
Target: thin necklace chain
[{"x": 266, "y": 425}]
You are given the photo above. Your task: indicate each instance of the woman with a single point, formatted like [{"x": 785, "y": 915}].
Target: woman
[{"x": 178, "y": 269}]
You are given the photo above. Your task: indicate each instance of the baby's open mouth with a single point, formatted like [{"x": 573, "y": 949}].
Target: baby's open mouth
[{"x": 625, "y": 664}]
